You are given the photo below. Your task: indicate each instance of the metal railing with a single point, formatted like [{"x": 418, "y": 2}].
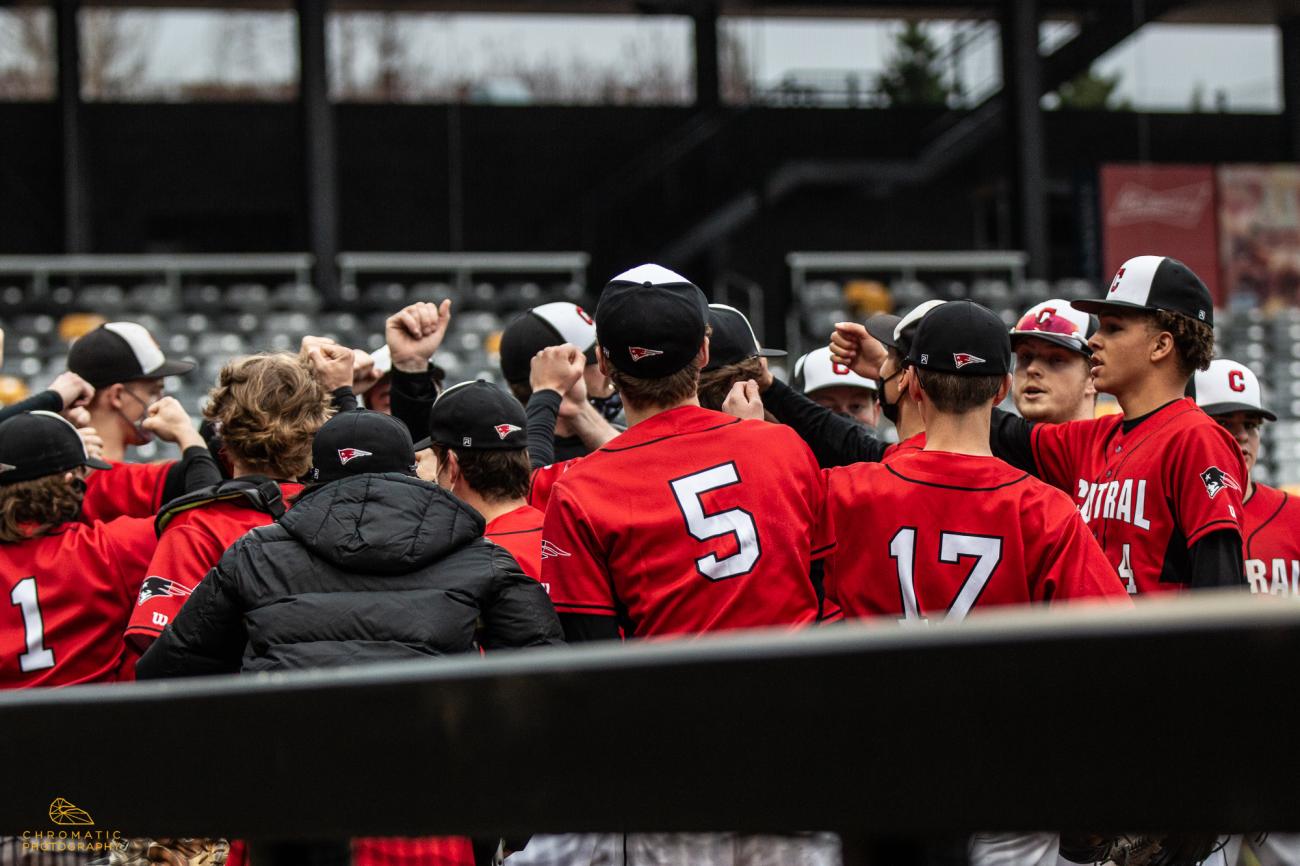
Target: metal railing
[
  {"x": 1013, "y": 720},
  {"x": 170, "y": 268},
  {"x": 463, "y": 266}
]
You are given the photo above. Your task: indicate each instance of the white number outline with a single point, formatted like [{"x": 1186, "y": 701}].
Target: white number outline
[
  {"x": 37, "y": 657},
  {"x": 736, "y": 522},
  {"x": 953, "y": 547}
]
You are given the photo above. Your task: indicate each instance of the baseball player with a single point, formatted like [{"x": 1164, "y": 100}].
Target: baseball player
[
  {"x": 480, "y": 453},
  {"x": 836, "y": 387},
  {"x": 734, "y": 355},
  {"x": 836, "y": 440},
  {"x": 951, "y": 525},
  {"x": 267, "y": 407},
  {"x": 1230, "y": 394},
  {"x": 1053, "y": 375},
  {"x": 122, "y": 361},
  {"x": 692, "y": 520},
  {"x": 69, "y": 585}
]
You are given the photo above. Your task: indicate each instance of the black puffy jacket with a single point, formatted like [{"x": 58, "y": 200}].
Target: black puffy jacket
[{"x": 377, "y": 567}]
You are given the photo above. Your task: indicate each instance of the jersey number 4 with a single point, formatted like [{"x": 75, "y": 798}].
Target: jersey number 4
[
  {"x": 734, "y": 521},
  {"x": 37, "y": 656},
  {"x": 986, "y": 550}
]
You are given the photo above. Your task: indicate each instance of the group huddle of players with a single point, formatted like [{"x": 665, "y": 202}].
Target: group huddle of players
[{"x": 649, "y": 477}]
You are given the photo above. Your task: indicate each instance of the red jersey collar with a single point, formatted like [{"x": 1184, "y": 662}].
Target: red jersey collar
[{"x": 673, "y": 422}]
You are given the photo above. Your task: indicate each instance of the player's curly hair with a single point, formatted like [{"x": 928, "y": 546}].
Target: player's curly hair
[
  {"x": 1193, "y": 340},
  {"x": 715, "y": 385},
  {"x": 267, "y": 408},
  {"x": 32, "y": 508},
  {"x": 496, "y": 475}
]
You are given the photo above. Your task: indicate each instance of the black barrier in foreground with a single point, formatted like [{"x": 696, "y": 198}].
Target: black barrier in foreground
[{"x": 1179, "y": 715}]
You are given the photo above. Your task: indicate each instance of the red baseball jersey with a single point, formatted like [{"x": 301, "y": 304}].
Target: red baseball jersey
[
  {"x": 691, "y": 521},
  {"x": 1150, "y": 493},
  {"x": 945, "y": 532},
  {"x": 909, "y": 445},
  {"x": 189, "y": 548},
  {"x": 68, "y": 596},
  {"x": 126, "y": 490},
  {"x": 520, "y": 532},
  {"x": 543, "y": 481},
  {"x": 1271, "y": 533}
]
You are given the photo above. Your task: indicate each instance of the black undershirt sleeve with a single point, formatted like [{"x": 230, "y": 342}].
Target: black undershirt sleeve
[
  {"x": 834, "y": 439},
  {"x": 194, "y": 471},
  {"x": 584, "y": 627},
  {"x": 343, "y": 400},
  {"x": 46, "y": 401},
  {"x": 1009, "y": 437},
  {"x": 543, "y": 412},
  {"x": 412, "y": 397},
  {"x": 1216, "y": 561}
]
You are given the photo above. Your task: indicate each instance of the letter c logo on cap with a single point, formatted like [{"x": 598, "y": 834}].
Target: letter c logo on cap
[{"x": 1236, "y": 381}]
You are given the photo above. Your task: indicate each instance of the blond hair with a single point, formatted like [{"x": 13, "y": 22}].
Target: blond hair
[
  {"x": 32, "y": 508},
  {"x": 267, "y": 408}
]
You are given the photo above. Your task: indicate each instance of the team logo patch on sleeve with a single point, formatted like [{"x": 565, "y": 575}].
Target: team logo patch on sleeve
[
  {"x": 639, "y": 354},
  {"x": 504, "y": 430},
  {"x": 346, "y": 454},
  {"x": 549, "y": 550},
  {"x": 961, "y": 359},
  {"x": 1215, "y": 480},
  {"x": 161, "y": 587}
]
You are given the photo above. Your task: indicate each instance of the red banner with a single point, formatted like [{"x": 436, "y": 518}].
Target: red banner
[
  {"x": 1163, "y": 210},
  {"x": 1259, "y": 231}
]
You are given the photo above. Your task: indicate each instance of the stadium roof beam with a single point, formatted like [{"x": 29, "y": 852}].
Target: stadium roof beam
[
  {"x": 318, "y": 142},
  {"x": 76, "y": 206},
  {"x": 1022, "y": 82}
]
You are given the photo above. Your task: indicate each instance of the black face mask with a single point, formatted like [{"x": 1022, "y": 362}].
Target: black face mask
[
  {"x": 888, "y": 409},
  {"x": 609, "y": 407}
]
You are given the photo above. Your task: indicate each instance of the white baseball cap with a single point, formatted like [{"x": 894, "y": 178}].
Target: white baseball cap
[
  {"x": 815, "y": 371},
  {"x": 1228, "y": 387},
  {"x": 1057, "y": 322}
]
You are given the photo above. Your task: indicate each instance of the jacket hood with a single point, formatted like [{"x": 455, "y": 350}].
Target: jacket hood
[{"x": 381, "y": 523}]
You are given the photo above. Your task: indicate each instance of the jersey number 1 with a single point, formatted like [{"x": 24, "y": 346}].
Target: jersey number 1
[
  {"x": 733, "y": 521},
  {"x": 37, "y": 656},
  {"x": 987, "y": 550}
]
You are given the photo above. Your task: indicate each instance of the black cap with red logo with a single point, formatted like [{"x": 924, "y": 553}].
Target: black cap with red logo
[
  {"x": 361, "y": 441},
  {"x": 964, "y": 338},
  {"x": 650, "y": 322},
  {"x": 477, "y": 416}
]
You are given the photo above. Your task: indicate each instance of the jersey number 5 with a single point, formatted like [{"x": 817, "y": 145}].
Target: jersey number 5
[
  {"x": 733, "y": 521},
  {"x": 37, "y": 656},
  {"x": 987, "y": 550}
]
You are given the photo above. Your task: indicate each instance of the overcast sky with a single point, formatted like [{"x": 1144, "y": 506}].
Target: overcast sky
[{"x": 1160, "y": 67}]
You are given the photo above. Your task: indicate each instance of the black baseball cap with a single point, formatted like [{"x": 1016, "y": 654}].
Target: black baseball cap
[
  {"x": 733, "y": 340},
  {"x": 964, "y": 338},
  {"x": 1155, "y": 283},
  {"x": 896, "y": 332},
  {"x": 546, "y": 325},
  {"x": 36, "y": 444},
  {"x": 650, "y": 322},
  {"x": 119, "y": 352},
  {"x": 361, "y": 441},
  {"x": 477, "y": 416}
]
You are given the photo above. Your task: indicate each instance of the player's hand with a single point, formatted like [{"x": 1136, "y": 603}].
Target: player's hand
[
  {"x": 93, "y": 441},
  {"x": 744, "y": 401},
  {"x": 853, "y": 347},
  {"x": 765, "y": 379},
  {"x": 574, "y": 403},
  {"x": 169, "y": 421},
  {"x": 74, "y": 390},
  {"x": 78, "y": 416},
  {"x": 557, "y": 368},
  {"x": 415, "y": 332},
  {"x": 331, "y": 364},
  {"x": 364, "y": 374}
]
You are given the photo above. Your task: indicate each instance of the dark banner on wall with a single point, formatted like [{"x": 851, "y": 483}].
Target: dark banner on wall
[{"x": 1166, "y": 210}]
